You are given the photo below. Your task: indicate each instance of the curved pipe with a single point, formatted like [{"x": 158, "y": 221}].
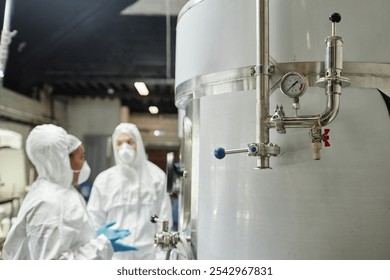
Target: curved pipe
[
  {"x": 329, "y": 114},
  {"x": 332, "y": 109}
]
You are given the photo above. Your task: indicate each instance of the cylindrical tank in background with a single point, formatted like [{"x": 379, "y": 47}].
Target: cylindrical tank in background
[{"x": 334, "y": 208}]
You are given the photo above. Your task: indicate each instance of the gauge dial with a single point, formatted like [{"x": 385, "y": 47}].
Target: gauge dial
[{"x": 293, "y": 85}]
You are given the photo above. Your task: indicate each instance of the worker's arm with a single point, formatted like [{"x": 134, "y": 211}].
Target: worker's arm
[
  {"x": 94, "y": 205},
  {"x": 50, "y": 236}
]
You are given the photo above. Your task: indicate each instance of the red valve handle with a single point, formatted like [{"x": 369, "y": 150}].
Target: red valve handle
[{"x": 325, "y": 137}]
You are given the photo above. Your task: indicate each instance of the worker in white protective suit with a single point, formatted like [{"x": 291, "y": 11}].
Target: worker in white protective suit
[
  {"x": 80, "y": 167},
  {"x": 130, "y": 193},
  {"x": 53, "y": 222}
]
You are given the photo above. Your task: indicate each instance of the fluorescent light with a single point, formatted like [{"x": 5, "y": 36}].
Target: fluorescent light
[
  {"x": 141, "y": 88},
  {"x": 153, "y": 109},
  {"x": 158, "y": 133}
]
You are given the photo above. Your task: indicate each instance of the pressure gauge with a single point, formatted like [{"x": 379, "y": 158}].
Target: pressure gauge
[{"x": 293, "y": 84}]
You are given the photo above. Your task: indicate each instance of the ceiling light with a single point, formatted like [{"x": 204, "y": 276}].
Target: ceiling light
[
  {"x": 110, "y": 91},
  {"x": 141, "y": 88},
  {"x": 158, "y": 133},
  {"x": 153, "y": 109}
]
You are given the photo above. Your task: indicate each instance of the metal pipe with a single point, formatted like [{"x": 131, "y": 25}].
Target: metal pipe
[
  {"x": 262, "y": 79},
  {"x": 332, "y": 109},
  {"x": 236, "y": 151},
  {"x": 168, "y": 38},
  {"x": 307, "y": 121},
  {"x": 7, "y": 15},
  {"x": 6, "y": 36}
]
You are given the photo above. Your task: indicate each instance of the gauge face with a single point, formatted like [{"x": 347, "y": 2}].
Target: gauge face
[{"x": 293, "y": 84}]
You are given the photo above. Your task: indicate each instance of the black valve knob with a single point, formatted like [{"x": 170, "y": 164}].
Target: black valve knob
[
  {"x": 335, "y": 17},
  {"x": 153, "y": 219}
]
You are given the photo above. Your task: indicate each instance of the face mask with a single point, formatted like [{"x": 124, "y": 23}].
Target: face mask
[
  {"x": 84, "y": 173},
  {"x": 126, "y": 153}
]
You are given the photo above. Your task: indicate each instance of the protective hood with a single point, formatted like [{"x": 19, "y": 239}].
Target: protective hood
[
  {"x": 72, "y": 142},
  {"x": 46, "y": 148},
  {"x": 132, "y": 130}
]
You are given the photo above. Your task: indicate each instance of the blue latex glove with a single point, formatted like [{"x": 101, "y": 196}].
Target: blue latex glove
[
  {"x": 114, "y": 235},
  {"x": 120, "y": 247}
]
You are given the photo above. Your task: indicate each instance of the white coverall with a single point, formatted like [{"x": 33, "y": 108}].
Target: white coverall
[
  {"x": 130, "y": 195},
  {"x": 53, "y": 221}
]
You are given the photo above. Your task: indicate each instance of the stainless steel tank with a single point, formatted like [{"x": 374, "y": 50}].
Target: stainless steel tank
[{"x": 334, "y": 208}]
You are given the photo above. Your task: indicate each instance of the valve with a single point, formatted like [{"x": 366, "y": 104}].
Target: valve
[
  {"x": 333, "y": 81},
  {"x": 171, "y": 241},
  {"x": 253, "y": 149},
  {"x": 277, "y": 118},
  {"x": 316, "y": 145},
  {"x": 220, "y": 153},
  {"x": 317, "y": 138},
  {"x": 164, "y": 239},
  {"x": 325, "y": 137}
]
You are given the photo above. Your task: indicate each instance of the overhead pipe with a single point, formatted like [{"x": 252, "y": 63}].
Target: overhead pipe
[{"x": 6, "y": 36}]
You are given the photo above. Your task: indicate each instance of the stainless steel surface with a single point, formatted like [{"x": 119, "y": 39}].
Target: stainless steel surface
[
  {"x": 361, "y": 75},
  {"x": 215, "y": 83},
  {"x": 333, "y": 53},
  {"x": 195, "y": 180},
  {"x": 186, "y": 163}
]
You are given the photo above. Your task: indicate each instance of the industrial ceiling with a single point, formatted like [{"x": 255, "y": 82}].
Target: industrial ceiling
[{"x": 95, "y": 48}]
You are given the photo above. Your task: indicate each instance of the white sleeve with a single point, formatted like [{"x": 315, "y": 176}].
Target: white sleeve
[
  {"x": 98, "y": 248},
  {"x": 94, "y": 207},
  {"x": 51, "y": 239}
]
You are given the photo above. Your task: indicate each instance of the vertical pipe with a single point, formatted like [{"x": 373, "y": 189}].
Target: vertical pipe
[
  {"x": 262, "y": 80},
  {"x": 7, "y": 15},
  {"x": 168, "y": 38},
  {"x": 5, "y": 37}
]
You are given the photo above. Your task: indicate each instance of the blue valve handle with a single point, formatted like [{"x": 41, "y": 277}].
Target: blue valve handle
[{"x": 220, "y": 153}]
